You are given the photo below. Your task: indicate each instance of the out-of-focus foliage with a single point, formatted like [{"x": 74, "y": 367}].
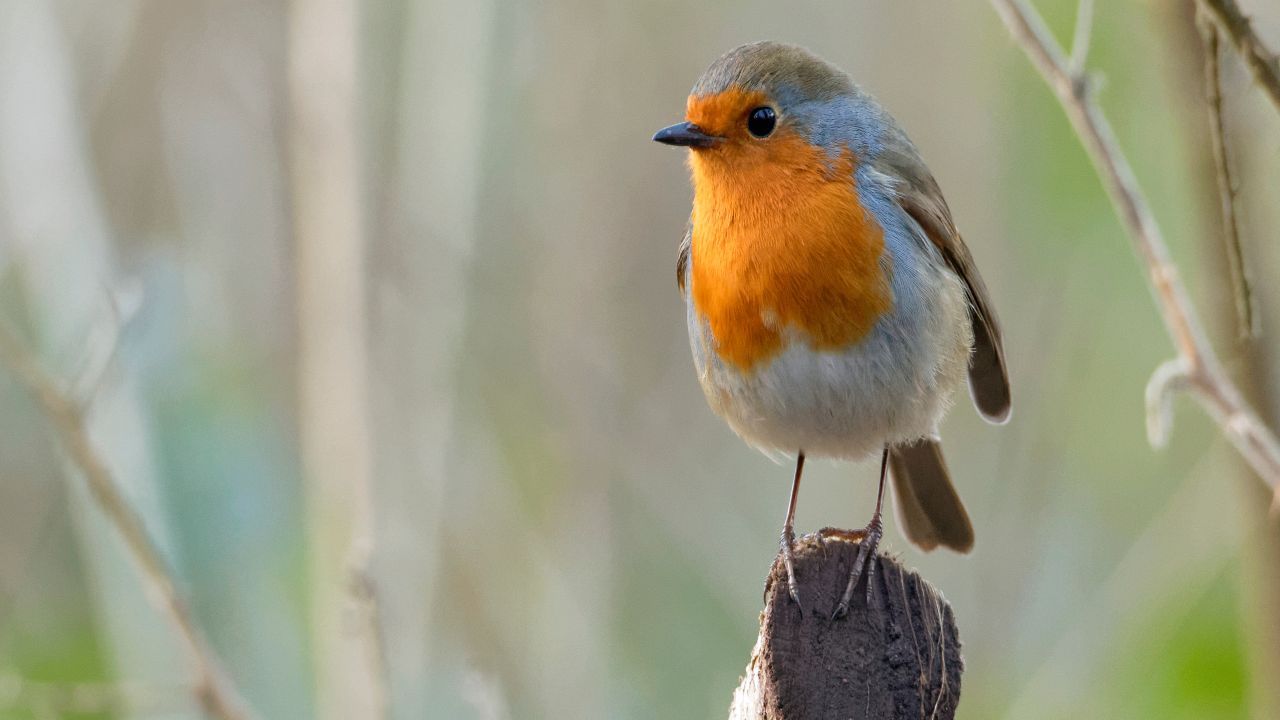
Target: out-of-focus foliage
[{"x": 564, "y": 529}]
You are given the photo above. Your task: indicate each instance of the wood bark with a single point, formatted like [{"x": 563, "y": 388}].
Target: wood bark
[{"x": 895, "y": 655}]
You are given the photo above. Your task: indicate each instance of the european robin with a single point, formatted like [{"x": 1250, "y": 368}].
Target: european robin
[{"x": 833, "y": 308}]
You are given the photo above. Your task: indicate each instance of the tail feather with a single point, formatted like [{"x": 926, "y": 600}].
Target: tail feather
[{"x": 929, "y": 509}]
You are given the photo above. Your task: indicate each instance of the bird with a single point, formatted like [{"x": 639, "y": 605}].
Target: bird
[{"x": 832, "y": 307}]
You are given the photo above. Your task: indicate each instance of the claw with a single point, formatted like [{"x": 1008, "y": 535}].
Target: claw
[
  {"x": 865, "y": 561},
  {"x": 867, "y": 543},
  {"x": 795, "y": 598},
  {"x": 841, "y": 610},
  {"x": 787, "y": 541}
]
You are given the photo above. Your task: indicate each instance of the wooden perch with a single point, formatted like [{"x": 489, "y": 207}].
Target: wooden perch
[{"x": 898, "y": 657}]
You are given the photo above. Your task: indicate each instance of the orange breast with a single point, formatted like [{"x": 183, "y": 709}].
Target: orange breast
[{"x": 781, "y": 243}]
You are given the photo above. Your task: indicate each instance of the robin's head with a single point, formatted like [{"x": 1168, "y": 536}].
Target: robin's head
[
  {"x": 761, "y": 102},
  {"x": 779, "y": 235}
]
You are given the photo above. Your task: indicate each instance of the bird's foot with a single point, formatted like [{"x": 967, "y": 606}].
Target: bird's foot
[
  {"x": 788, "y": 561},
  {"x": 868, "y": 540}
]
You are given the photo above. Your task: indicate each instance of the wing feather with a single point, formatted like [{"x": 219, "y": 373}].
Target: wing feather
[{"x": 919, "y": 195}]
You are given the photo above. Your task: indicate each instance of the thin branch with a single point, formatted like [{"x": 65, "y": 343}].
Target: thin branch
[
  {"x": 1205, "y": 377},
  {"x": 103, "y": 344},
  {"x": 1084, "y": 32},
  {"x": 1261, "y": 61},
  {"x": 1241, "y": 283},
  {"x": 212, "y": 689},
  {"x": 1170, "y": 376}
]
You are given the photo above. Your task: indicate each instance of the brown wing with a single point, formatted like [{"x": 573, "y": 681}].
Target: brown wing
[
  {"x": 920, "y": 196},
  {"x": 682, "y": 261}
]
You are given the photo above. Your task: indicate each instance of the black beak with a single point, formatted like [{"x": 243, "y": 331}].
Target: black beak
[{"x": 686, "y": 134}]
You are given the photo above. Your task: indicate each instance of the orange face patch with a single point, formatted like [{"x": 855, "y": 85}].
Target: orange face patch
[
  {"x": 780, "y": 240},
  {"x": 724, "y": 114}
]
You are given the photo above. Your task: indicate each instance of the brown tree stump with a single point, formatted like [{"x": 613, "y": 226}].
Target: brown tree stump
[{"x": 898, "y": 657}]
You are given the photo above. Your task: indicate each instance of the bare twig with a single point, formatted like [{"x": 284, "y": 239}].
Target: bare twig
[
  {"x": 1084, "y": 32},
  {"x": 212, "y": 689},
  {"x": 103, "y": 343},
  {"x": 1205, "y": 377},
  {"x": 1261, "y": 61},
  {"x": 1241, "y": 283},
  {"x": 1257, "y": 564},
  {"x": 1169, "y": 377}
]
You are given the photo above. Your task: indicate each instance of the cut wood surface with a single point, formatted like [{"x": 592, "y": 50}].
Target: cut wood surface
[{"x": 895, "y": 657}]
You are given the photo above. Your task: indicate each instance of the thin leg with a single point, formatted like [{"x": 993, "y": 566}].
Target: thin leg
[
  {"x": 866, "y": 548},
  {"x": 789, "y": 533}
]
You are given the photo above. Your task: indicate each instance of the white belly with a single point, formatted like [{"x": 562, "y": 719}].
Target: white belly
[{"x": 892, "y": 386}]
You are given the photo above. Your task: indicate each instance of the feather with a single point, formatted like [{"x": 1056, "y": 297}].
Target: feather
[
  {"x": 929, "y": 509},
  {"x": 920, "y": 197}
]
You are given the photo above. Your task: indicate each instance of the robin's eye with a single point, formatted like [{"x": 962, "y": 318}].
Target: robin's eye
[{"x": 761, "y": 121}]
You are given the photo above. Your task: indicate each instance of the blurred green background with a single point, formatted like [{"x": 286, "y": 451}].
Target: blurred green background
[{"x": 561, "y": 527}]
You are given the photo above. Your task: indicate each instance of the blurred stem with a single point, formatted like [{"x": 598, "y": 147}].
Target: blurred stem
[
  {"x": 1204, "y": 377},
  {"x": 1082, "y": 37},
  {"x": 213, "y": 690},
  {"x": 1241, "y": 285},
  {"x": 1260, "y": 571},
  {"x": 1260, "y": 60},
  {"x": 333, "y": 401},
  {"x": 57, "y": 233}
]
